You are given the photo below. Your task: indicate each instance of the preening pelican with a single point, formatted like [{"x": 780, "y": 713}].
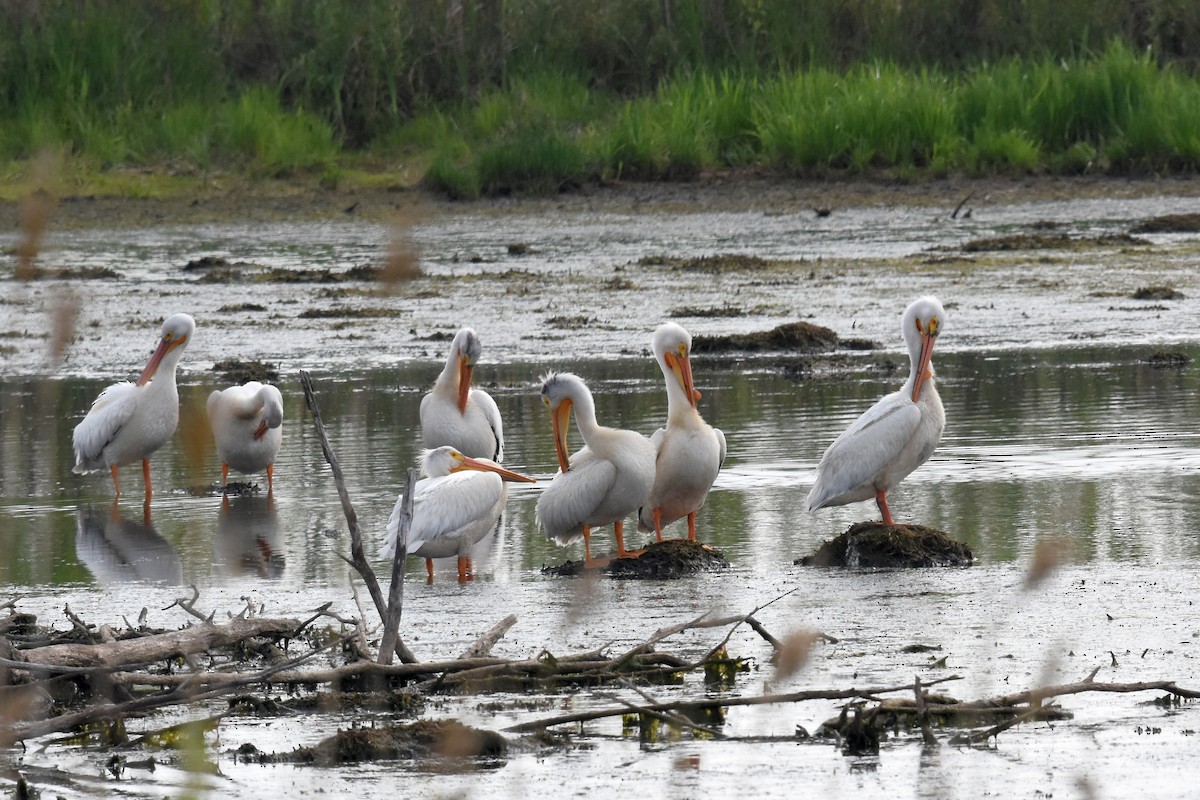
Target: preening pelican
[
  {"x": 690, "y": 451},
  {"x": 455, "y": 507},
  {"x": 601, "y": 484},
  {"x": 247, "y": 423},
  {"x": 454, "y": 414},
  {"x": 894, "y": 436},
  {"x": 129, "y": 421}
]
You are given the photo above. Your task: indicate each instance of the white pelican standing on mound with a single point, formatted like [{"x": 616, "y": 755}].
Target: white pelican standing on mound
[
  {"x": 454, "y": 508},
  {"x": 129, "y": 421},
  {"x": 690, "y": 451},
  {"x": 604, "y": 482},
  {"x": 894, "y": 436},
  {"x": 247, "y": 424},
  {"x": 455, "y": 414}
]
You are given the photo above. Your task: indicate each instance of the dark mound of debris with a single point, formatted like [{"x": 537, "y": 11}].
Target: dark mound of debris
[
  {"x": 673, "y": 558},
  {"x": 790, "y": 336},
  {"x": 1170, "y": 223},
  {"x": 874, "y": 545},
  {"x": 442, "y": 739},
  {"x": 241, "y": 371},
  {"x": 1157, "y": 293}
]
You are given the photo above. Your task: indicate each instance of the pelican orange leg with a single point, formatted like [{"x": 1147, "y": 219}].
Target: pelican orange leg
[
  {"x": 429, "y": 570},
  {"x": 692, "y": 526},
  {"x": 658, "y": 524},
  {"x": 881, "y": 500},
  {"x": 146, "y": 478},
  {"x": 619, "y": 530},
  {"x": 463, "y": 569},
  {"x": 116, "y": 483}
]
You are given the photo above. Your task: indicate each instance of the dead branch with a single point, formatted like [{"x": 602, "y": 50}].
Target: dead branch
[
  {"x": 358, "y": 558},
  {"x": 995, "y": 730},
  {"x": 391, "y": 622},
  {"x": 484, "y": 644},
  {"x": 160, "y": 647},
  {"x": 726, "y": 702},
  {"x": 1034, "y": 696},
  {"x": 190, "y": 606},
  {"x": 185, "y": 692},
  {"x": 670, "y": 718},
  {"x": 79, "y": 625},
  {"x": 922, "y": 714}
]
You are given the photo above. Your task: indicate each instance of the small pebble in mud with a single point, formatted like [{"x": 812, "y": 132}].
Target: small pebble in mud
[{"x": 875, "y": 545}]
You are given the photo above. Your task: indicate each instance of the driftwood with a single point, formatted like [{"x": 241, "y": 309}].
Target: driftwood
[
  {"x": 395, "y": 606},
  {"x": 162, "y": 647},
  {"x": 358, "y": 558}
]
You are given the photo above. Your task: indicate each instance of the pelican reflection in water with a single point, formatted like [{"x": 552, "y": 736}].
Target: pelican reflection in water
[
  {"x": 117, "y": 550},
  {"x": 247, "y": 540}
]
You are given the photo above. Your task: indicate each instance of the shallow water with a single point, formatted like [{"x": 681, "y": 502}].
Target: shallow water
[{"x": 1056, "y": 428}]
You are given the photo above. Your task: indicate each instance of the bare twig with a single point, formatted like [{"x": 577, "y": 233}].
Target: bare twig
[
  {"x": 358, "y": 558},
  {"x": 190, "y": 606}
]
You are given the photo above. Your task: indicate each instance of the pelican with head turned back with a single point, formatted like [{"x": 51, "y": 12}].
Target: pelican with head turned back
[
  {"x": 454, "y": 507},
  {"x": 894, "y": 436},
  {"x": 130, "y": 421},
  {"x": 247, "y": 424},
  {"x": 602, "y": 483},
  {"x": 690, "y": 451},
  {"x": 454, "y": 414}
]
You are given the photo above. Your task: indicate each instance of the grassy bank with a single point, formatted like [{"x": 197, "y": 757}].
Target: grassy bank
[{"x": 531, "y": 95}]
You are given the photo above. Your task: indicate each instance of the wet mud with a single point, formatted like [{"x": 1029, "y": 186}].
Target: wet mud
[{"x": 423, "y": 740}]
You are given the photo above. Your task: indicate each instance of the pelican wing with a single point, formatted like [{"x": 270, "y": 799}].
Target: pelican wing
[
  {"x": 572, "y": 496},
  {"x": 443, "y": 505},
  {"x": 109, "y": 414},
  {"x": 491, "y": 413},
  {"x": 721, "y": 438},
  {"x": 865, "y": 448}
]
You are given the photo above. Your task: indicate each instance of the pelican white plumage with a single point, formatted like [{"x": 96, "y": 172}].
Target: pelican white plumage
[
  {"x": 454, "y": 507},
  {"x": 601, "y": 484},
  {"x": 690, "y": 451},
  {"x": 894, "y": 436},
  {"x": 247, "y": 424},
  {"x": 130, "y": 421},
  {"x": 454, "y": 414}
]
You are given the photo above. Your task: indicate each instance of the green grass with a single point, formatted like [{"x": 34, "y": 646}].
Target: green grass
[{"x": 532, "y": 96}]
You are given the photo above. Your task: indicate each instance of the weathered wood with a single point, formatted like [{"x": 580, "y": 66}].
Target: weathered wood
[
  {"x": 160, "y": 647},
  {"x": 484, "y": 644},
  {"x": 395, "y": 607}
]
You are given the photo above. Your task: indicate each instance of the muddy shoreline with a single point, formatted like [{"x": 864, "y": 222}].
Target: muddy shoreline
[{"x": 300, "y": 200}]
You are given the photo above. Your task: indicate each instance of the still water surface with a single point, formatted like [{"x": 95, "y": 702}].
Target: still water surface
[{"x": 1056, "y": 428}]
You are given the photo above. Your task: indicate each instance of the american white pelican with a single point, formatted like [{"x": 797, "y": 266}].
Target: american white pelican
[
  {"x": 454, "y": 414},
  {"x": 690, "y": 451},
  {"x": 601, "y": 484},
  {"x": 454, "y": 507},
  {"x": 247, "y": 423},
  {"x": 129, "y": 421},
  {"x": 894, "y": 436}
]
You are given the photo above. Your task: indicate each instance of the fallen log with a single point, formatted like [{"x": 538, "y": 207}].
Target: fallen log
[{"x": 160, "y": 647}]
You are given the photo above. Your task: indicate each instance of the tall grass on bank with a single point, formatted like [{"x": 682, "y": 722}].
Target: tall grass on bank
[
  {"x": 100, "y": 75},
  {"x": 1118, "y": 112}
]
